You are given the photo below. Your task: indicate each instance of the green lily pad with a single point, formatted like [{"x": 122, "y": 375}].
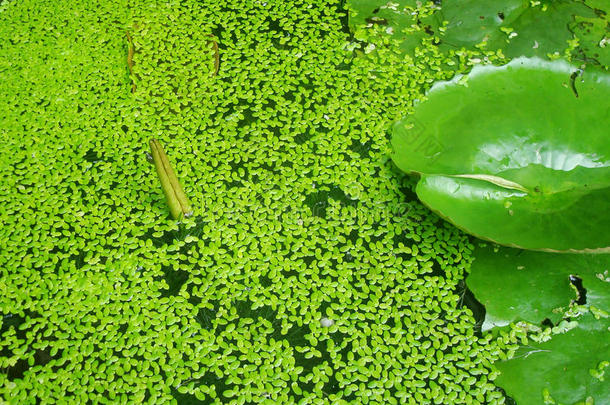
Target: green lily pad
[
  {"x": 402, "y": 20},
  {"x": 519, "y": 285},
  {"x": 594, "y": 36},
  {"x": 546, "y": 29},
  {"x": 472, "y": 22},
  {"x": 567, "y": 369},
  {"x": 518, "y": 27},
  {"x": 516, "y": 285},
  {"x": 516, "y": 154}
]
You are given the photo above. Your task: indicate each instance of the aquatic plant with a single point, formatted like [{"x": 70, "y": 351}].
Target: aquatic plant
[
  {"x": 515, "y": 154},
  {"x": 308, "y": 273},
  {"x": 303, "y": 275},
  {"x": 511, "y": 28},
  {"x": 562, "y": 302},
  {"x": 174, "y": 194}
]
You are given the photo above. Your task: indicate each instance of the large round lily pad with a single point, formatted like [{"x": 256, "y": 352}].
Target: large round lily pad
[{"x": 516, "y": 154}]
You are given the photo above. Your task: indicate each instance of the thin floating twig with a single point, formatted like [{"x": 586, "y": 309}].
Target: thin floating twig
[
  {"x": 174, "y": 194},
  {"x": 130, "y": 52},
  {"x": 216, "y": 55}
]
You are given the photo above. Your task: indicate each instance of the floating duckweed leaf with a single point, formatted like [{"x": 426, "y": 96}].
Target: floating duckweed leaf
[{"x": 502, "y": 156}]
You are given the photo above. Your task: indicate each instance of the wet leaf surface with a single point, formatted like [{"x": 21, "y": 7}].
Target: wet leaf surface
[
  {"x": 517, "y": 285},
  {"x": 520, "y": 285},
  {"x": 569, "y": 368},
  {"x": 546, "y": 29},
  {"x": 514, "y": 154},
  {"x": 513, "y": 285},
  {"x": 518, "y": 27}
]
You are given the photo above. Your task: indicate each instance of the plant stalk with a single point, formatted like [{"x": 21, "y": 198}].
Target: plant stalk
[{"x": 174, "y": 194}]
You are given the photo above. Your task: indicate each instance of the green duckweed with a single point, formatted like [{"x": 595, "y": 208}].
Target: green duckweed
[{"x": 308, "y": 272}]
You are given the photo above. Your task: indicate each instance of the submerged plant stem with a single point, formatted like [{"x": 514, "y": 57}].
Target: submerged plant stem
[
  {"x": 130, "y": 52},
  {"x": 174, "y": 194},
  {"x": 216, "y": 56}
]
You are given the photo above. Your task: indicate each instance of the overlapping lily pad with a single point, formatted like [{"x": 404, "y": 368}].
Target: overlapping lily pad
[
  {"x": 547, "y": 29},
  {"x": 518, "y": 27},
  {"x": 516, "y": 154},
  {"x": 513, "y": 285},
  {"x": 517, "y": 285},
  {"x": 570, "y": 368}
]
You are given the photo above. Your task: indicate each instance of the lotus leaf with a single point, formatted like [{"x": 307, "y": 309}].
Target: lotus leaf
[
  {"x": 518, "y": 27},
  {"x": 519, "y": 285},
  {"x": 402, "y": 20},
  {"x": 509, "y": 283},
  {"x": 594, "y": 37},
  {"x": 362, "y": 12},
  {"x": 567, "y": 369},
  {"x": 516, "y": 154}
]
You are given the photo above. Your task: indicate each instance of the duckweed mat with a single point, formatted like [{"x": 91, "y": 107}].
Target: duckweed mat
[{"x": 308, "y": 273}]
